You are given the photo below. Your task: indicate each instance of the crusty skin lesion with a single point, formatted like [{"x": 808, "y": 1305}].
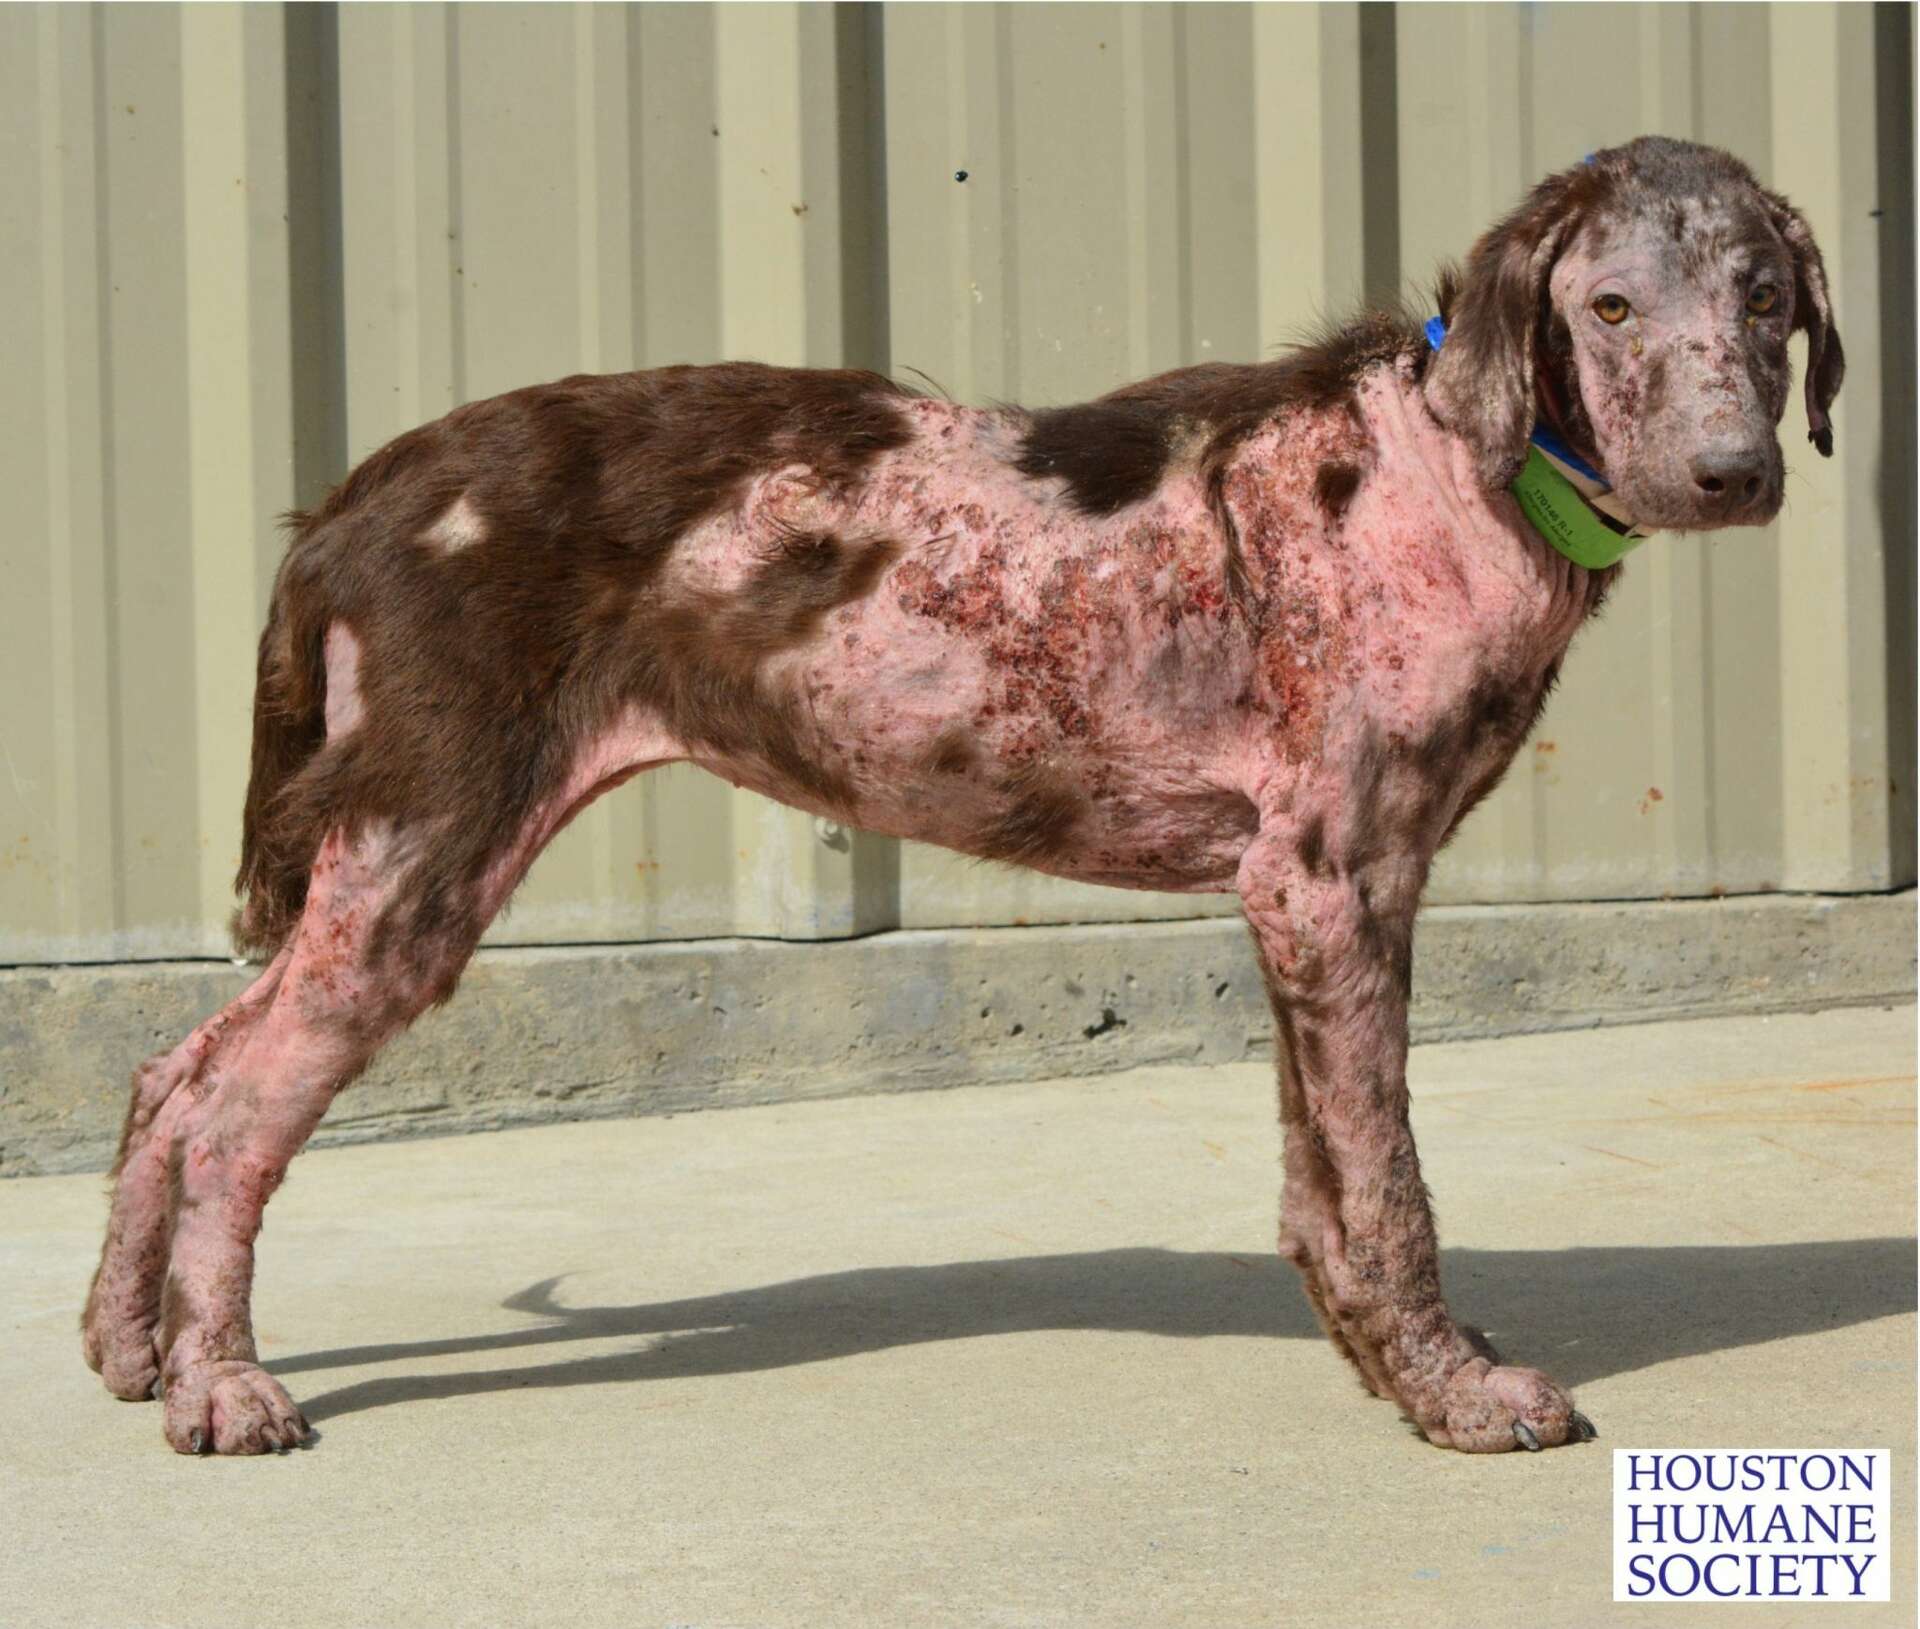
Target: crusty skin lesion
[{"x": 1269, "y": 629}]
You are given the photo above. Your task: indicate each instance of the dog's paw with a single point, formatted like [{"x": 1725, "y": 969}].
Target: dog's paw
[
  {"x": 120, "y": 1351},
  {"x": 230, "y": 1407},
  {"x": 1491, "y": 1409}
]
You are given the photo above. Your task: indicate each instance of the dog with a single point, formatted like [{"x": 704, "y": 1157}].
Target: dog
[{"x": 1272, "y": 628}]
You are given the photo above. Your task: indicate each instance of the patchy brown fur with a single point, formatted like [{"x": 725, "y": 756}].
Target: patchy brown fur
[
  {"x": 1115, "y": 450},
  {"x": 1335, "y": 486},
  {"x": 952, "y": 753},
  {"x": 1042, "y": 810},
  {"x": 583, "y": 487}
]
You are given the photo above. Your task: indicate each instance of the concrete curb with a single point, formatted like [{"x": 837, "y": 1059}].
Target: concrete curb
[{"x": 588, "y": 1032}]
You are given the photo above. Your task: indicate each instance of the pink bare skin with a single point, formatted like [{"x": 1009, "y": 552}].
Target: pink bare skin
[{"x": 1268, "y": 630}]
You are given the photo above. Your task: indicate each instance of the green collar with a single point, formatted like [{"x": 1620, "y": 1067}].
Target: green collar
[{"x": 1560, "y": 514}]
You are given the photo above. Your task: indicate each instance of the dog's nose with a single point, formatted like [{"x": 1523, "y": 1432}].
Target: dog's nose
[{"x": 1730, "y": 478}]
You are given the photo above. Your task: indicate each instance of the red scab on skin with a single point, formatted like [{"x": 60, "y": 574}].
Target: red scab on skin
[
  {"x": 1037, "y": 659},
  {"x": 1202, "y": 591},
  {"x": 1306, "y": 658},
  {"x": 253, "y": 1186}
]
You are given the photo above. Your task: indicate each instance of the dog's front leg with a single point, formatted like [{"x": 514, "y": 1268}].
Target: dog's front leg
[{"x": 1336, "y": 949}]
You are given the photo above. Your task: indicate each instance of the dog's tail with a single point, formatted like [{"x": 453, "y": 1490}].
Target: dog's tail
[{"x": 278, "y": 840}]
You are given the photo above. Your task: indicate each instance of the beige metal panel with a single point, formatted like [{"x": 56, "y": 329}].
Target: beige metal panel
[
  {"x": 1130, "y": 205},
  {"x": 1899, "y": 462},
  {"x": 1678, "y": 756},
  {"x": 149, "y": 523},
  {"x": 239, "y": 378},
  {"x": 1308, "y": 186},
  {"x": 151, "y": 188},
  {"x": 1011, "y": 283},
  {"x": 58, "y": 845},
  {"x": 1833, "y": 695}
]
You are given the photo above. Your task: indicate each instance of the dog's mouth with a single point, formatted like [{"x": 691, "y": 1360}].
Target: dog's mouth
[{"x": 1671, "y": 506}]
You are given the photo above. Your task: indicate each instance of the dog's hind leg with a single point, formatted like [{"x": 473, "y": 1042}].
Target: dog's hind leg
[
  {"x": 227, "y": 1145},
  {"x": 344, "y": 991},
  {"x": 123, "y": 1305},
  {"x": 347, "y": 987}
]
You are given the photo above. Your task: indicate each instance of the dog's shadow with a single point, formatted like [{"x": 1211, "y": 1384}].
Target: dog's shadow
[{"x": 1580, "y": 1314}]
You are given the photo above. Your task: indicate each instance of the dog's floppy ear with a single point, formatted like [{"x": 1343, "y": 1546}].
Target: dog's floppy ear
[
  {"x": 1481, "y": 384},
  {"x": 1813, "y": 312}
]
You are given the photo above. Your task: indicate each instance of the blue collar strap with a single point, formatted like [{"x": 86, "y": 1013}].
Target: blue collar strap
[{"x": 1566, "y": 500}]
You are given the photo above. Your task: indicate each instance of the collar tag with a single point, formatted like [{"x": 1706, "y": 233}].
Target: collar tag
[
  {"x": 1565, "y": 499},
  {"x": 1560, "y": 513}
]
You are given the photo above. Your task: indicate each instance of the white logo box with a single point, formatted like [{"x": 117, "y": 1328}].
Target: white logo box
[{"x": 1751, "y": 1524}]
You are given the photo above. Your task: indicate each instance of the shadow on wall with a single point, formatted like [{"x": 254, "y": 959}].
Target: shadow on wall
[{"x": 1581, "y": 1314}]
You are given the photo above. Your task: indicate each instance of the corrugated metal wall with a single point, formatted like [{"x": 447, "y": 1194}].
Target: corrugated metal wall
[{"x": 245, "y": 246}]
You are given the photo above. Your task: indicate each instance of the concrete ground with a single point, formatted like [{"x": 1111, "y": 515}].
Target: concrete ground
[{"x": 1002, "y": 1355}]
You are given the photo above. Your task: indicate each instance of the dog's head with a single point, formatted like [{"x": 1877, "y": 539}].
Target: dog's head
[{"x": 1640, "y": 303}]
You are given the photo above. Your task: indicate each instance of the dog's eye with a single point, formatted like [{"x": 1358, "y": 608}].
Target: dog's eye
[
  {"x": 1762, "y": 299},
  {"x": 1611, "y": 308}
]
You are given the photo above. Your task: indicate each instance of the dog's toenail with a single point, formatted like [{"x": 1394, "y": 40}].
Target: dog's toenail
[
  {"x": 197, "y": 1443},
  {"x": 1523, "y": 1434},
  {"x": 1588, "y": 1431}
]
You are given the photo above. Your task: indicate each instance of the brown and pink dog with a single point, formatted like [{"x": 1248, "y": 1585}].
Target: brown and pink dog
[{"x": 1270, "y": 628}]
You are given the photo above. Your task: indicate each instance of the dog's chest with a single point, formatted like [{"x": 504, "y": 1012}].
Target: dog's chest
[{"x": 1396, "y": 603}]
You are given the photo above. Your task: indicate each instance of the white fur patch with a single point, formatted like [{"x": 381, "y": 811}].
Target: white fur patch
[{"x": 459, "y": 528}]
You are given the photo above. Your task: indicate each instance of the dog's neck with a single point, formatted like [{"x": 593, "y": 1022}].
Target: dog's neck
[{"x": 1565, "y": 498}]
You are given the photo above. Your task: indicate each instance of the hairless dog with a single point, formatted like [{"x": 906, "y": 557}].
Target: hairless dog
[{"x": 1271, "y": 628}]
